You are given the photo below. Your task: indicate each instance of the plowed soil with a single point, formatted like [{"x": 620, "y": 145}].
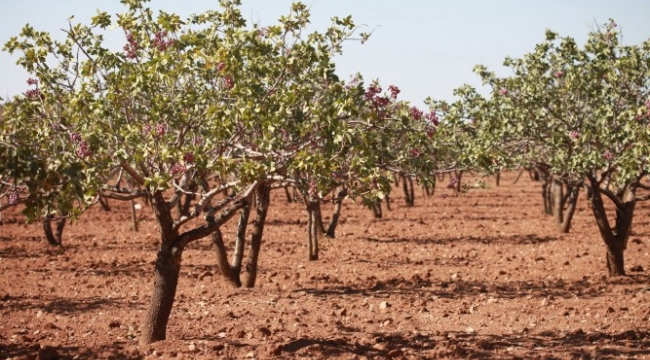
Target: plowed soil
[{"x": 484, "y": 274}]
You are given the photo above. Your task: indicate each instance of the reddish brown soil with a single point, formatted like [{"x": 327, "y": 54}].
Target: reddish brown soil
[{"x": 480, "y": 275}]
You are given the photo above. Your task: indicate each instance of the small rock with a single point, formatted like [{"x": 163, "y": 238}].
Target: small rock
[
  {"x": 250, "y": 355},
  {"x": 191, "y": 347},
  {"x": 638, "y": 268},
  {"x": 544, "y": 301},
  {"x": 264, "y": 331},
  {"x": 114, "y": 324},
  {"x": 384, "y": 305}
]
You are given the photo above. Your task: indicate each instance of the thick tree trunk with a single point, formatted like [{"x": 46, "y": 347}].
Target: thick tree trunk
[
  {"x": 615, "y": 261},
  {"x": 262, "y": 199},
  {"x": 167, "y": 269},
  {"x": 222, "y": 260},
  {"x": 168, "y": 263},
  {"x": 615, "y": 239}
]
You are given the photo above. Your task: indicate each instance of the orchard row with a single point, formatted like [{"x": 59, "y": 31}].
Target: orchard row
[{"x": 203, "y": 117}]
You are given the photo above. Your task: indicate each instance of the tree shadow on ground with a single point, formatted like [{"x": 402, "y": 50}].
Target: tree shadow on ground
[
  {"x": 546, "y": 345},
  {"x": 458, "y": 288},
  {"x": 529, "y": 239},
  {"x": 113, "y": 351},
  {"x": 60, "y": 305}
]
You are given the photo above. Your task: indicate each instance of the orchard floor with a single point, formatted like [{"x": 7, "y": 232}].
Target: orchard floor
[{"x": 480, "y": 275}]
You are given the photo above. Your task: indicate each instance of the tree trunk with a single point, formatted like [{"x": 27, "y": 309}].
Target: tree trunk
[
  {"x": 54, "y": 239},
  {"x": 262, "y": 200},
  {"x": 288, "y": 194},
  {"x": 615, "y": 261},
  {"x": 497, "y": 178},
  {"x": 459, "y": 178},
  {"x": 557, "y": 203},
  {"x": 222, "y": 260},
  {"x": 319, "y": 218},
  {"x": 134, "y": 216},
  {"x": 572, "y": 201},
  {"x": 238, "y": 255},
  {"x": 312, "y": 228},
  {"x": 546, "y": 195},
  {"x": 376, "y": 209},
  {"x": 168, "y": 263},
  {"x": 331, "y": 229},
  {"x": 104, "y": 203},
  {"x": 167, "y": 269},
  {"x": 407, "y": 192},
  {"x": 615, "y": 239}
]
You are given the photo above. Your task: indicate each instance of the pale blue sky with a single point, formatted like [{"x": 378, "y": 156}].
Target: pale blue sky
[{"x": 426, "y": 47}]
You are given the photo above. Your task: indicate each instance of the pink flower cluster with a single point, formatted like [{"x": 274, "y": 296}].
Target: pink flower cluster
[
  {"x": 228, "y": 82},
  {"x": 13, "y": 197},
  {"x": 162, "y": 41},
  {"x": 416, "y": 113},
  {"x": 131, "y": 47},
  {"x": 33, "y": 94},
  {"x": 378, "y": 101},
  {"x": 82, "y": 148},
  {"x": 177, "y": 169},
  {"x": 608, "y": 155},
  {"x": 161, "y": 129},
  {"x": 394, "y": 91},
  {"x": 188, "y": 158}
]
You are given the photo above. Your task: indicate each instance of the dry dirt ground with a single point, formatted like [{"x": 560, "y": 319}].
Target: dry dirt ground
[{"x": 478, "y": 275}]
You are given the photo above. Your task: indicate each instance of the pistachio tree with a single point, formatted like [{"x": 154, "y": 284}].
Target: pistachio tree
[
  {"x": 205, "y": 108},
  {"x": 579, "y": 114}
]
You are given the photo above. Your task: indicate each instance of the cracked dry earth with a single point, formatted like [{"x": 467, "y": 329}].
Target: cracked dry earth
[{"x": 479, "y": 275}]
